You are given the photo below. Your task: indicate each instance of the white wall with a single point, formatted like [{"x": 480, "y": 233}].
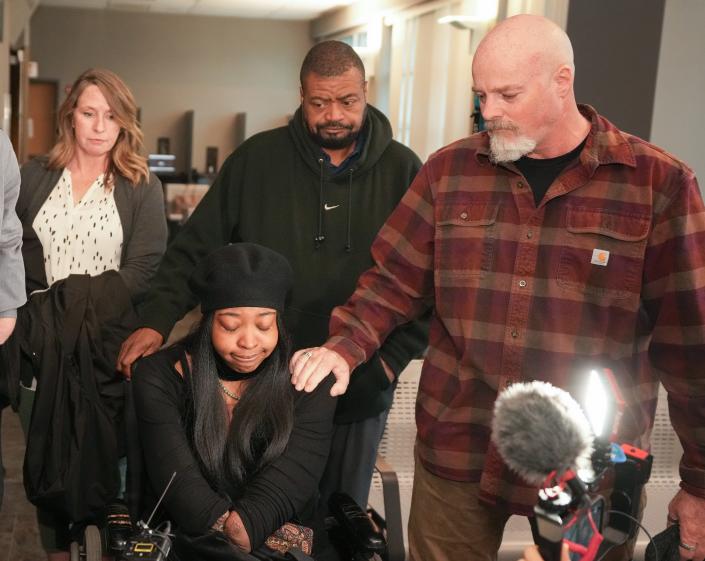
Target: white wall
[
  {"x": 214, "y": 65},
  {"x": 679, "y": 107}
]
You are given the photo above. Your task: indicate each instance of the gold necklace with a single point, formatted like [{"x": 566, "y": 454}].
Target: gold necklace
[{"x": 227, "y": 392}]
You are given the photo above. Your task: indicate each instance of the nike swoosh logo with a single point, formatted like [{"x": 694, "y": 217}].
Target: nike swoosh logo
[{"x": 326, "y": 207}]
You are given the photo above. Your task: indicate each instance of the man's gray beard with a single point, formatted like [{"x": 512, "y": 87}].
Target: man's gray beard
[{"x": 503, "y": 150}]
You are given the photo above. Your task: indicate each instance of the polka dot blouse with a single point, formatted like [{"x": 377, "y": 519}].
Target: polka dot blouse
[{"x": 85, "y": 238}]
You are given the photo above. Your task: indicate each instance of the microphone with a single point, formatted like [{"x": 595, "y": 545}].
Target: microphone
[{"x": 538, "y": 429}]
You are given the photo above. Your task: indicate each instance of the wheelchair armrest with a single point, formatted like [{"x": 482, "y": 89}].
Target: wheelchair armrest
[
  {"x": 356, "y": 524},
  {"x": 392, "y": 510}
]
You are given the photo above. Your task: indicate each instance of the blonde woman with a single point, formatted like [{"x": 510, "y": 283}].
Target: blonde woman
[
  {"x": 90, "y": 207},
  {"x": 96, "y": 160}
]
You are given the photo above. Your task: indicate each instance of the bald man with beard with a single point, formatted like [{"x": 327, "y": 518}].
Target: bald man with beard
[{"x": 551, "y": 243}]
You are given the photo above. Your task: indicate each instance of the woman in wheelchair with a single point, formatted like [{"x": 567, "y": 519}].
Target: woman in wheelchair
[{"x": 218, "y": 409}]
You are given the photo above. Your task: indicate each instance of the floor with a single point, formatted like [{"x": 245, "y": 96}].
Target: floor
[{"x": 19, "y": 537}]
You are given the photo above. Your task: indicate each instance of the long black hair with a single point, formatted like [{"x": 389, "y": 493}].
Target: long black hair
[{"x": 229, "y": 455}]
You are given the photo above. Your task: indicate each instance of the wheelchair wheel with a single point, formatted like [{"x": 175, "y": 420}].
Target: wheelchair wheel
[
  {"x": 92, "y": 544},
  {"x": 74, "y": 552}
]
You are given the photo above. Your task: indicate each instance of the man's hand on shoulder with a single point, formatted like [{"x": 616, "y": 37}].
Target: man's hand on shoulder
[
  {"x": 143, "y": 342},
  {"x": 310, "y": 366},
  {"x": 689, "y": 512},
  {"x": 7, "y": 326}
]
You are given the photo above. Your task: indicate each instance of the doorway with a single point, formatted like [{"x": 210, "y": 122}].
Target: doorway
[{"x": 41, "y": 116}]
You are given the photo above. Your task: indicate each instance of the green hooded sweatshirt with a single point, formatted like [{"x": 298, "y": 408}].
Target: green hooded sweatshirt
[{"x": 276, "y": 190}]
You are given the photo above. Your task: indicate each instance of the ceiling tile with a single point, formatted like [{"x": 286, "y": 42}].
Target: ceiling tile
[{"x": 272, "y": 9}]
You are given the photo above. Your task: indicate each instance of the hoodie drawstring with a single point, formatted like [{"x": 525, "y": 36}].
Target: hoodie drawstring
[
  {"x": 319, "y": 238},
  {"x": 348, "y": 243}
]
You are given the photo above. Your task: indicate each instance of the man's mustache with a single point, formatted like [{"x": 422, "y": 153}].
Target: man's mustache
[
  {"x": 500, "y": 126},
  {"x": 333, "y": 124}
]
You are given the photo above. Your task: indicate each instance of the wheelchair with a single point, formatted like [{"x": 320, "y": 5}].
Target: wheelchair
[{"x": 126, "y": 537}]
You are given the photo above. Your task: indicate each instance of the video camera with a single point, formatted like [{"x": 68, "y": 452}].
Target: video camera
[
  {"x": 578, "y": 462},
  {"x": 571, "y": 506}
]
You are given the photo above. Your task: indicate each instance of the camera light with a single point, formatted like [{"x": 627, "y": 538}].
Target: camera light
[{"x": 596, "y": 403}]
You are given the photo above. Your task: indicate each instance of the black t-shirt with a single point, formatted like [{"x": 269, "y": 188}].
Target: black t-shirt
[{"x": 541, "y": 173}]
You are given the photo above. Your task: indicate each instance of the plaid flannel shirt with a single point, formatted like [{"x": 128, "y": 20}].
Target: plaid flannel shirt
[{"x": 608, "y": 271}]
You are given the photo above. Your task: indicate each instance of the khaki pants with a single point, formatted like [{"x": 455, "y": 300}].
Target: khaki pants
[{"x": 448, "y": 523}]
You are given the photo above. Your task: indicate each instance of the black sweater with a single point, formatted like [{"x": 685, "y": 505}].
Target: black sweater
[
  {"x": 284, "y": 490},
  {"x": 268, "y": 192},
  {"x": 141, "y": 211}
]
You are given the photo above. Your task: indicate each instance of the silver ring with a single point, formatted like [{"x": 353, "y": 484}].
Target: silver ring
[
  {"x": 308, "y": 354},
  {"x": 687, "y": 546}
]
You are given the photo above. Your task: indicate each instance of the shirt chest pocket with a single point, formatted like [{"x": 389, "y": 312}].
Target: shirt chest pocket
[
  {"x": 602, "y": 253},
  {"x": 465, "y": 240}
]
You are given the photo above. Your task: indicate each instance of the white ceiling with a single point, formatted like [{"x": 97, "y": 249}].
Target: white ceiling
[{"x": 268, "y": 9}]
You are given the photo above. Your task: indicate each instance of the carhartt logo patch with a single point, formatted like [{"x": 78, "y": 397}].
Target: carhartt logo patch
[{"x": 600, "y": 257}]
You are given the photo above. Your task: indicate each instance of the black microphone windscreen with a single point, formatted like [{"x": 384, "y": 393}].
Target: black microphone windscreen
[{"x": 538, "y": 428}]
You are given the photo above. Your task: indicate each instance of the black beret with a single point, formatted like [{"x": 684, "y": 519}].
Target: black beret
[{"x": 242, "y": 275}]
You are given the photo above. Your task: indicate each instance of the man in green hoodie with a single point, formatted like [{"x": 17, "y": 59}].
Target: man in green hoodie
[{"x": 317, "y": 191}]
